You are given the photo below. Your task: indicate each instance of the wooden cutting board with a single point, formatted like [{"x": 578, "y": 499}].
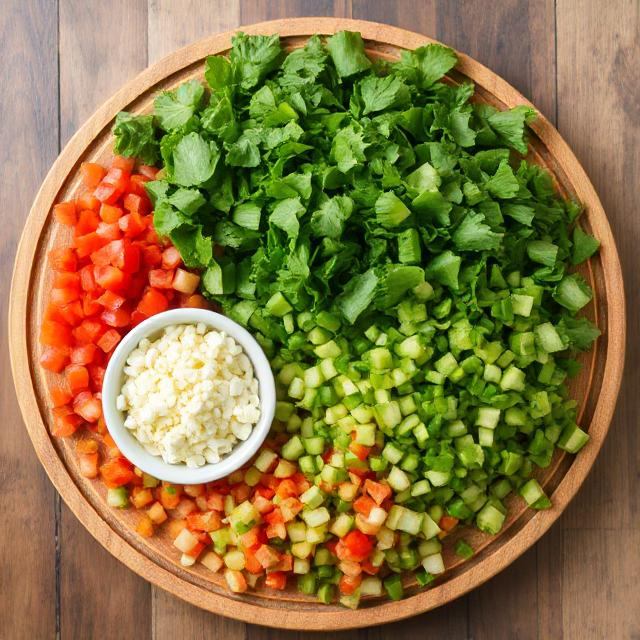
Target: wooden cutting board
[{"x": 156, "y": 559}]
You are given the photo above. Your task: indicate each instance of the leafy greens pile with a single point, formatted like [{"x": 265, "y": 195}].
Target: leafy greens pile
[
  {"x": 408, "y": 273},
  {"x": 341, "y": 183}
]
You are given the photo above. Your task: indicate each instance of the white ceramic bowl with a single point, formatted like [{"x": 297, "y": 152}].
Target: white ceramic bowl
[{"x": 155, "y": 465}]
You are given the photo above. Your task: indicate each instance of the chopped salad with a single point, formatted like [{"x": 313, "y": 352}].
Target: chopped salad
[{"x": 408, "y": 273}]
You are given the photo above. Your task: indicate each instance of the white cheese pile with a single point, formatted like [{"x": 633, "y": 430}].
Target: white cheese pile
[{"x": 190, "y": 395}]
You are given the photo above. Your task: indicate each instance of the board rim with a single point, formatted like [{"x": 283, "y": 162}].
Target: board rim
[{"x": 233, "y": 606}]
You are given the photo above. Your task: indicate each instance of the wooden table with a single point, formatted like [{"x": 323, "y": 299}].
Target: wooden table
[{"x": 576, "y": 60}]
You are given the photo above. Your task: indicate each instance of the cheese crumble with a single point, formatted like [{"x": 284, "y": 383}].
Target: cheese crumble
[{"x": 189, "y": 395}]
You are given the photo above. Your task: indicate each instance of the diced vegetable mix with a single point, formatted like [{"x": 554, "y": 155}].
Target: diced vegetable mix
[{"x": 406, "y": 273}]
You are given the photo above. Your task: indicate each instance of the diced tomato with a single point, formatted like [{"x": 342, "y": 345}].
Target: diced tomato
[
  {"x": 265, "y": 492},
  {"x": 109, "y": 231},
  {"x": 65, "y": 213},
  {"x": 107, "y": 193},
  {"x": 116, "y": 473},
  {"x": 110, "y": 214},
  {"x": 161, "y": 278},
  {"x": 89, "y": 305},
  {"x": 128, "y": 259},
  {"x": 88, "y": 244},
  {"x": 267, "y": 556},
  {"x": 240, "y": 492},
  {"x": 363, "y": 505},
  {"x": 112, "y": 185},
  {"x": 273, "y": 517},
  {"x": 252, "y": 565},
  {"x": 378, "y": 491},
  {"x": 66, "y": 280},
  {"x": 369, "y": 568},
  {"x": 87, "y": 281},
  {"x": 88, "y": 463},
  {"x": 136, "y": 185},
  {"x": 276, "y": 580},
  {"x": 60, "y": 396},
  {"x": 109, "y": 277},
  {"x": 65, "y": 422},
  {"x": 141, "y": 497},
  {"x": 110, "y": 300},
  {"x": 331, "y": 546},
  {"x": 147, "y": 171},
  {"x": 169, "y": 497},
  {"x": 72, "y": 313},
  {"x": 87, "y": 201},
  {"x": 106, "y": 255},
  {"x": 96, "y": 375},
  {"x": 77, "y": 377},
  {"x": 109, "y": 340},
  {"x": 138, "y": 204},
  {"x": 88, "y": 331},
  {"x": 63, "y": 259},
  {"x": 152, "y": 302},
  {"x": 151, "y": 255},
  {"x": 196, "y": 302},
  {"x": 349, "y": 584},
  {"x": 92, "y": 174},
  {"x": 359, "y": 450},
  {"x": 62, "y": 297},
  {"x": 358, "y": 544},
  {"x": 137, "y": 318},
  {"x": 150, "y": 235},
  {"x": 448, "y": 523},
  {"x": 171, "y": 258},
  {"x": 88, "y": 222},
  {"x": 286, "y": 489},
  {"x": 215, "y": 501},
  {"x": 116, "y": 317},
  {"x": 125, "y": 164},
  {"x": 83, "y": 354},
  {"x": 209, "y": 521},
  {"x": 132, "y": 224},
  {"x": 145, "y": 526},
  {"x": 55, "y": 334},
  {"x": 54, "y": 360}
]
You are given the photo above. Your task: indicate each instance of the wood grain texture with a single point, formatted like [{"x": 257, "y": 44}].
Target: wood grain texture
[
  {"x": 87, "y": 78},
  {"x": 599, "y": 113},
  {"x": 28, "y": 33},
  {"x": 584, "y": 590},
  {"x": 154, "y": 558}
]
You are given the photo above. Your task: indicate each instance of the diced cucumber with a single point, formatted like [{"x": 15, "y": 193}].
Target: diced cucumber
[
  {"x": 293, "y": 448},
  {"x": 312, "y": 497},
  {"x": 572, "y": 438},
  {"x": 118, "y": 498},
  {"x": 278, "y": 305},
  {"x": 398, "y": 479},
  {"x": 488, "y": 417},
  {"x": 489, "y": 519},
  {"x": 315, "y": 517}
]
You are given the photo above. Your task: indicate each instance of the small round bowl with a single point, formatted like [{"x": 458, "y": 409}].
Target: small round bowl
[{"x": 155, "y": 465}]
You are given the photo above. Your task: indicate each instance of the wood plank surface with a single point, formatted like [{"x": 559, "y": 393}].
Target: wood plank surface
[
  {"x": 28, "y": 32},
  {"x": 575, "y": 59},
  {"x": 95, "y": 586},
  {"x": 599, "y": 115}
]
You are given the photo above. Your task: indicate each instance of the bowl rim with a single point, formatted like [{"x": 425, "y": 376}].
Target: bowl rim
[{"x": 154, "y": 465}]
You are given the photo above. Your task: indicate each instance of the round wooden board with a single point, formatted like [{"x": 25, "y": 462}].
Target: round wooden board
[{"x": 155, "y": 559}]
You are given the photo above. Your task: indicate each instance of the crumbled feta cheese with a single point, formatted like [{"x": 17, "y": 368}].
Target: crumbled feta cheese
[{"x": 190, "y": 395}]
